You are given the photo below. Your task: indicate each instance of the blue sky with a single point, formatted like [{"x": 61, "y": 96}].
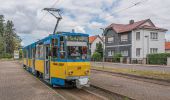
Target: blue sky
[{"x": 85, "y": 16}]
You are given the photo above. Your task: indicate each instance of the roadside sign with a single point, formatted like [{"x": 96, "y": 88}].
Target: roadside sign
[{"x": 16, "y": 54}]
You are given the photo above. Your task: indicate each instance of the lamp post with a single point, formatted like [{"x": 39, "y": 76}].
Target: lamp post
[
  {"x": 103, "y": 34},
  {"x": 147, "y": 36}
]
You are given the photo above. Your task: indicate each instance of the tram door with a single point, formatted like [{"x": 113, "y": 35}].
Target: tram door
[
  {"x": 33, "y": 60},
  {"x": 27, "y": 57},
  {"x": 47, "y": 62}
]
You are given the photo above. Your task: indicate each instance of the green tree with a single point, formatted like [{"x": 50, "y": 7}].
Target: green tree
[
  {"x": 9, "y": 40},
  {"x": 96, "y": 56},
  {"x": 99, "y": 48},
  {"x": 1, "y": 34},
  {"x": 1, "y": 25}
]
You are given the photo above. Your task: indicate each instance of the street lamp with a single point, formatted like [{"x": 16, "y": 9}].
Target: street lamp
[
  {"x": 103, "y": 34},
  {"x": 147, "y": 36}
]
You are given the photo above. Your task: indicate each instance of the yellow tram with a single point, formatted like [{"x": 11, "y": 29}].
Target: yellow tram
[{"x": 60, "y": 59}]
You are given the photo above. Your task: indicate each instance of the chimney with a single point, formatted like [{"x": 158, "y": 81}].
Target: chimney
[{"x": 131, "y": 21}]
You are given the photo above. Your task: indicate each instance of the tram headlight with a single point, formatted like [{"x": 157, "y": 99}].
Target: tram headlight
[
  {"x": 70, "y": 72},
  {"x": 87, "y": 72}
]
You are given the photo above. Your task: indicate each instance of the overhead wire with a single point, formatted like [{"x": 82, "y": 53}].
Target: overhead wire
[
  {"x": 131, "y": 6},
  {"x": 41, "y": 19}
]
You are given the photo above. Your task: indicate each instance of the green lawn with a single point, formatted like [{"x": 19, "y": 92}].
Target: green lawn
[{"x": 145, "y": 73}]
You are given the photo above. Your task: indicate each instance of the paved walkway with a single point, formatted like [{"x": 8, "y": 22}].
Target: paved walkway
[
  {"x": 17, "y": 84},
  {"x": 135, "y": 89},
  {"x": 133, "y": 66}
]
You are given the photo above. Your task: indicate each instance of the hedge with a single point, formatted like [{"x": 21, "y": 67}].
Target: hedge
[{"x": 160, "y": 58}]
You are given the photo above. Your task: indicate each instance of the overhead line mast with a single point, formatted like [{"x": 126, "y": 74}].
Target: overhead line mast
[{"x": 59, "y": 17}]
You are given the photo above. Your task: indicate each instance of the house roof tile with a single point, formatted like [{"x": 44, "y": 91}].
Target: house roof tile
[
  {"x": 92, "y": 38},
  {"x": 120, "y": 28}
]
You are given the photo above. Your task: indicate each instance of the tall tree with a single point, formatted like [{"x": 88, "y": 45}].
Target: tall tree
[
  {"x": 99, "y": 48},
  {"x": 1, "y": 25},
  {"x": 1, "y": 34},
  {"x": 11, "y": 38}
]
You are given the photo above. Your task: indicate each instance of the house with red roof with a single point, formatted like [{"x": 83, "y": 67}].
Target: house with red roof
[
  {"x": 167, "y": 47},
  {"x": 93, "y": 40},
  {"x": 134, "y": 40}
]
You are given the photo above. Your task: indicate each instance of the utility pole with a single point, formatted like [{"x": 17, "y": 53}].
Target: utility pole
[
  {"x": 147, "y": 36},
  {"x": 103, "y": 34},
  {"x": 59, "y": 17}
]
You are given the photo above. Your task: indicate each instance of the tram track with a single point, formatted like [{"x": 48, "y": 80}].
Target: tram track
[
  {"x": 136, "y": 77},
  {"x": 87, "y": 93}
]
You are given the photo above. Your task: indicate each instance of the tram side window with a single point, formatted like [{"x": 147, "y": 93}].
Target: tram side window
[
  {"x": 62, "y": 48},
  {"x": 54, "y": 50},
  {"x": 39, "y": 51},
  {"x": 54, "y": 42}
]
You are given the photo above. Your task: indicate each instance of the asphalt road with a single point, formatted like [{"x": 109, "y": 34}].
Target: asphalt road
[
  {"x": 17, "y": 84},
  {"x": 133, "y": 66},
  {"x": 135, "y": 89}
]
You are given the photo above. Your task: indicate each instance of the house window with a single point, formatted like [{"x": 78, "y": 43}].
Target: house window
[
  {"x": 153, "y": 35},
  {"x": 124, "y": 52},
  {"x": 138, "y": 52},
  {"x": 137, "y": 35},
  {"x": 110, "y": 53},
  {"x": 110, "y": 39},
  {"x": 124, "y": 37},
  {"x": 153, "y": 50}
]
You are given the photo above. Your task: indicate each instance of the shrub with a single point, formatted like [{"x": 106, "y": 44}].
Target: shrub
[
  {"x": 6, "y": 55},
  {"x": 160, "y": 58},
  {"x": 116, "y": 57},
  {"x": 96, "y": 56}
]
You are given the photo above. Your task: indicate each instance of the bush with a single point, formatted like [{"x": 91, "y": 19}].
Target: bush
[
  {"x": 96, "y": 56},
  {"x": 6, "y": 55},
  {"x": 116, "y": 57},
  {"x": 160, "y": 58}
]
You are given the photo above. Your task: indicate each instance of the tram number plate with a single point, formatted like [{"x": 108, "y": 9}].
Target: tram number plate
[{"x": 58, "y": 64}]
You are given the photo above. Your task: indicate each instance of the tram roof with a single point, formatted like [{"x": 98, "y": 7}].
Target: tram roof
[{"x": 54, "y": 36}]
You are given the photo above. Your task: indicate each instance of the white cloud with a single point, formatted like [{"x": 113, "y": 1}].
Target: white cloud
[
  {"x": 79, "y": 29},
  {"x": 95, "y": 25},
  {"x": 82, "y": 15}
]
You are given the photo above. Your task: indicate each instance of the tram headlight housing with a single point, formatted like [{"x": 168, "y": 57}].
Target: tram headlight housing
[
  {"x": 70, "y": 72},
  {"x": 87, "y": 72}
]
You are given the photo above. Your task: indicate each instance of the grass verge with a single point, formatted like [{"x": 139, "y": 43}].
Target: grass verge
[{"x": 144, "y": 73}]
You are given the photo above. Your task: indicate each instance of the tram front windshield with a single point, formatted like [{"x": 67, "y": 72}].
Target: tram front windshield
[{"x": 77, "y": 47}]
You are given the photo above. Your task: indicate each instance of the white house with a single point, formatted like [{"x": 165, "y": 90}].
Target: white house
[
  {"x": 93, "y": 40},
  {"x": 134, "y": 40}
]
